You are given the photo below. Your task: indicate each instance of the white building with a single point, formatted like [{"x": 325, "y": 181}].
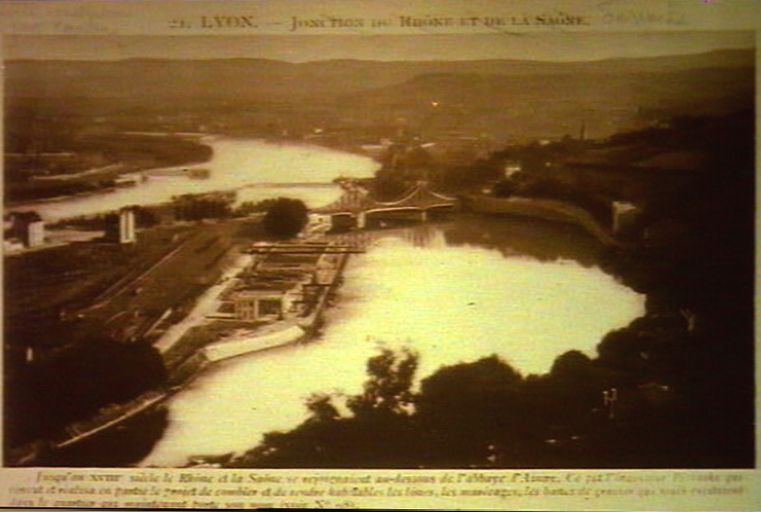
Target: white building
[
  {"x": 625, "y": 216},
  {"x": 127, "y": 226},
  {"x": 120, "y": 228},
  {"x": 35, "y": 234},
  {"x": 257, "y": 305},
  {"x": 511, "y": 167}
]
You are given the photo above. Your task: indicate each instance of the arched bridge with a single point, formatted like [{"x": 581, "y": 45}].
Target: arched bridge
[{"x": 357, "y": 208}]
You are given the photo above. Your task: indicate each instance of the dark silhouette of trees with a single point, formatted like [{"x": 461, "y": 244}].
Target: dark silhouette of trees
[
  {"x": 468, "y": 409},
  {"x": 389, "y": 185},
  {"x": 629, "y": 407},
  {"x": 145, "y": 217},
  {"x": 387, "y": 391},
  {"x": 379, "y": 433},
  {"x": 285, "y": 218},
  {"x": 77, "y": 381},
  {"x": 199, "y": 207},
  {"x": 674, "y": 389}
]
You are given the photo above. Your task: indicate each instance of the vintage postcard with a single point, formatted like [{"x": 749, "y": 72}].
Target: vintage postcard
[{"x": 459, "y": 255}]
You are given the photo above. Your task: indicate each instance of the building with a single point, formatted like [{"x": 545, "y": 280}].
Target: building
[
  {"x": 270, "y": 292},
  {"x": 120, "y": 228},
  {"x": 259, "y": 305},
  {"x": 319, "y": 223},
  {"x": 26, "y": 227},
  {"x": 267, "y": 299}
]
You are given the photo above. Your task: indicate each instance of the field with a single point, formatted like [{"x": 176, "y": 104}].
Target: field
[{"x": 69, "y": 294}]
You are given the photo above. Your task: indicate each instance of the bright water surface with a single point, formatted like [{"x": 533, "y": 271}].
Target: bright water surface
[
  {"x": 454, "y": 293},
  {"x": 265, "y": 169}
]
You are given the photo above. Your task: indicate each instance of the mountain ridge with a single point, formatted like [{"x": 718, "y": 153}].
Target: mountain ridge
[{"x": 496, "y": 96}]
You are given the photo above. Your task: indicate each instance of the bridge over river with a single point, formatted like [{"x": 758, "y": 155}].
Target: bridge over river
[{"x": 356, "y": 209}]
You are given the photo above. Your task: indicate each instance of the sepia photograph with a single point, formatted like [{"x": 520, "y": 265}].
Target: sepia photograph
[{"x": 428, "y": 251}]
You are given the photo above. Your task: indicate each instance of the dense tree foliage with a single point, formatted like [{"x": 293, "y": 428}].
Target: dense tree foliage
[
  {"x": 77, "y": 381},
  {"x": 634, "y": 405},
  {"x": 402, "y": 167},
  {"x": 674, "y": 389},
  {"x": 285, "y": 217},
  {"x": 199, "y": 207},
  {"x": 541, "y": 186}
]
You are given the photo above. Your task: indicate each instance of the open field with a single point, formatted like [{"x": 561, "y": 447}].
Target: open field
[{"x": 110, "y": 289}]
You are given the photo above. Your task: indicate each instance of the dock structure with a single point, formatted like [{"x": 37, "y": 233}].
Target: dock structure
[
  {"x": 285, "y": 290},
  {"x": 285, "y": 282},
  {"x": 277, "y": 300},
  {"x": 305, "y": 248}
]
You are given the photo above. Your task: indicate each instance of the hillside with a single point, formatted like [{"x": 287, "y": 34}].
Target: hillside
[
  {"x": 255, "y": 77},
  {"x": 553, "y": 105},
  {"x": 500, "y": 97}
]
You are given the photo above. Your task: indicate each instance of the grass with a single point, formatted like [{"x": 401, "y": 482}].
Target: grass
[{"x": 141, "y": 282}]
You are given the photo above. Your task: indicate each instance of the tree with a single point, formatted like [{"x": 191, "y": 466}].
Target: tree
[
  {"x": 379, "y": 433},
  {"x": 467, "y": 407},
  {"x": 388, "y": 388},
  {"x": 388, "y": 186},
  {"x": 285, "y": 217},
  {"x": 76, "y": 381},
  {"x": 145, "y": 217}
]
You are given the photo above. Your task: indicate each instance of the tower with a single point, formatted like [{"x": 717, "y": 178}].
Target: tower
[
  {"x": 120, "y": 227},
  {"x": 126, "y": 226}
]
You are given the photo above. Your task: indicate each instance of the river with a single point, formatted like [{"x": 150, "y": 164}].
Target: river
[
  {"x": 452, "y": 292},
  {"x": 257, "y": 169}
]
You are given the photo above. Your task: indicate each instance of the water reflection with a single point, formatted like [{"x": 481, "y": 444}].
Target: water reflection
[
  {"x": 543, "y": 240},
  {"x": 442, "y": 291}
]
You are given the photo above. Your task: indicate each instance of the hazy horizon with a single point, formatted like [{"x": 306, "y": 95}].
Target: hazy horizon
[{"x": 298, "y": 49}]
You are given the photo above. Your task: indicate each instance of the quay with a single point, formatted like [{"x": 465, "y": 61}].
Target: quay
[
  {"x": 283, "y": 294},
  {"x": 277, "y": 300}
]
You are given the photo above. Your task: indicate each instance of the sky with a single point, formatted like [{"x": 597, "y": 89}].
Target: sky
[{"x": 560, "y": 46}]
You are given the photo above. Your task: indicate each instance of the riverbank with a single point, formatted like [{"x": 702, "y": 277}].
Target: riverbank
[
  {"x": 253, "y": 168},
  {"x": 546, "y": 209},
  {"x": 186, "y": 356},
  {"x": 443, "y": 290},
  {"x": 87, "y": 304},
  {"x": 188, "y": 350},
  {"x": 212, "y": 335},
  {"x": 127, "y": 153}
]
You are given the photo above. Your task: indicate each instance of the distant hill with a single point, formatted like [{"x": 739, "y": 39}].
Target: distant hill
[
  {"x": 533, "y": 94},
  {"x": 254, "y": 77},
  {"x": 556, "y": 104}
]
